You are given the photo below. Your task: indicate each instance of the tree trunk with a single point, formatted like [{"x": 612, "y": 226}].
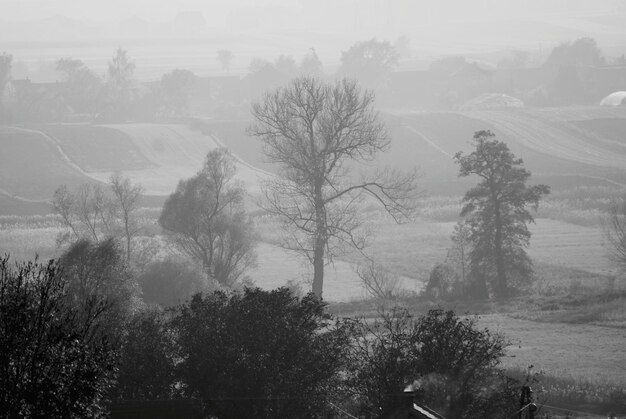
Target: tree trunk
[
  {"x": 318, "y": 267},
  {"x": 500, "y": 285},
  {"x": 320, "y": 242}
]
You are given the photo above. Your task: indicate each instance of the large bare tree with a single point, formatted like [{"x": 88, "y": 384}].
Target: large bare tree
[{"x": 315, "y": 131}]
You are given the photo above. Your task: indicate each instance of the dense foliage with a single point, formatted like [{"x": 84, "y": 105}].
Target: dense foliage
[
  {"x": 73, "y": 337},
  {"x": 497, "y": 216},
  {"x": 54, "y": 361},
  {"x": 206, "y": 220},
  {"x": 260, "y": 353},
  {"x": 452, "y": 365}
]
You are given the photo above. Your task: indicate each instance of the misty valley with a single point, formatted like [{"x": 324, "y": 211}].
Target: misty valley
[{"x": 397, "y": 211}]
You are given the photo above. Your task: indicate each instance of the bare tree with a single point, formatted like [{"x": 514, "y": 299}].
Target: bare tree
[
  {"x": 127, "y": 200},
  {"x": 205, "y": 219},
  {"x": 94, "y": 212},
  {"x": 459, "y": 253},
  {"x": 378, "y": 281},
  {"x": 314, "y": 131},
  {"x": 615, "y": 231}
]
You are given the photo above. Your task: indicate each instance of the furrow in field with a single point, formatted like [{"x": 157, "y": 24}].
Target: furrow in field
[{"x": 542, "y": 137}]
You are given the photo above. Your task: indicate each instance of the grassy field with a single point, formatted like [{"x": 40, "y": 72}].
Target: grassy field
[
  {"x": 31, "y": 166},
  {"x": 577, "y": 350},
  {"x": 95, "y": 148}
]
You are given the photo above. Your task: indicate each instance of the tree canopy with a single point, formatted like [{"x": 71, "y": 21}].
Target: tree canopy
[
  {"x": 369, "y": 61},
  {"x": 55, "y": 360},
  {"x": 497, "y": 215},
  {"x": 205, "y": 219},
  {"x": 260, "y": 353}
]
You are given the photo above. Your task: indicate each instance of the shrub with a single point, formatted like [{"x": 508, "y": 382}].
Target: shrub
[
  {"x": 452, "y": 363},
  {"x": 260, "y": 353},
  {"x": 54, "y": 361},
  {"x": 171, "y": 281}
]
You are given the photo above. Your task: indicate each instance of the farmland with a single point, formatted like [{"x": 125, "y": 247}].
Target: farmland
[{"x": 578, "y": 151}]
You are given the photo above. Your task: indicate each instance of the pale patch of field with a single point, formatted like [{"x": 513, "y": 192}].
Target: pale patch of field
[
  {"x": 579, "y": 350},
  {"x": 24, "y": 243},
  {"x": 278, "y": 267},
  {"x": 177, "y": 152},
  {"x": 568, "y": 245}
]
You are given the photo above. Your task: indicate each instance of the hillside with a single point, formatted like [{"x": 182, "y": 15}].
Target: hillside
[
  {"x": 36, "y": 160},
  {"x": 563, "y": 147}
]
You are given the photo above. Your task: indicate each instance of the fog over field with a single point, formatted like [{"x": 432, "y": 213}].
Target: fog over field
[{"x": 234, "y": 175}]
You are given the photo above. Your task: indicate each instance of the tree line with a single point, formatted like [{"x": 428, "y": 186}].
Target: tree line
[{"x": 318, "y": 133}]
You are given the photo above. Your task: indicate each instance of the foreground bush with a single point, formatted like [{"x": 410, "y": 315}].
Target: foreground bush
[
  {"x": 260, "y": 353},
  {"x": 452, "y": 364},
  {"x": 53, "y": 361}
]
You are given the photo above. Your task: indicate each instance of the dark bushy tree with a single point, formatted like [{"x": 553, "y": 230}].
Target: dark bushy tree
[
  {"x": 452, "y": 364},
  {"x": 176, "y": 87},
  {"x": 205, "y": 218},
  {"x": 54, "y": 362},
  {"x": 497, "y": 215},
  {"x": 260, "y": 353},
  {"x": 146, "y": 369},
  {"x": 97, "y": 275},
  {"x": 81, "y": 88},
  {"x": 171, "y": 281},
  {"x": 369, "y": 61}
]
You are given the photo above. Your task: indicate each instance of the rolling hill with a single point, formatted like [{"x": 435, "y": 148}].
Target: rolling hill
[{"x": 563, "y": 147}]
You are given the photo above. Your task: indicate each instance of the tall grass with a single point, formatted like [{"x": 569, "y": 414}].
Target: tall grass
[{"x": 593, "y": 395}]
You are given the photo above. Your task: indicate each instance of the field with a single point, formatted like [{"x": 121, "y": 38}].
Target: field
[
  {"x": 36, "y": 160},
  {"x": 572, "y": 322},
  {"x": 32, "y": 167}
]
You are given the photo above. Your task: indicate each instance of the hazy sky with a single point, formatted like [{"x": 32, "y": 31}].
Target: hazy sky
[{"x": 155, "y": 10}]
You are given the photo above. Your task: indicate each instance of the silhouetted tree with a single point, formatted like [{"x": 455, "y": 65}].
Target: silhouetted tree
[
  {"x": 97, "y": 213},
  {"x": 127, "y": 201},
  {"x": 97, "y": 275},
  {"x": 286, "y": 65},
  {"x": 55, "y": 362},
  {"x": 82, "y": 89},
  {"x": 497, "y": 215},
  {"x": 205, "y": 219},
  {"x": 314, "y": 131},
  {"x": 369, "y": 61},
  {"x": 614, "y": 224},
  {"x": 120, "y": 85},
  {"x": 311, "y": 65},
  {"x": 176, "y": 87},
  {"x": 260, "y": 353},
  {"x": 5, "y": 76},
  {"x": 225, "y": 57}
]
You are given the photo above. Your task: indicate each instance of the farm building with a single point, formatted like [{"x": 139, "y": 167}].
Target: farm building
[{"x": 614, "y": 99}]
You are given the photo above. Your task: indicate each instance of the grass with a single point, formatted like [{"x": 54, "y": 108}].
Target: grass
[
  {"x": 97, "y": 149},
  {"x": 31, "y": 167},
  {"x": 597, "y": 395}
]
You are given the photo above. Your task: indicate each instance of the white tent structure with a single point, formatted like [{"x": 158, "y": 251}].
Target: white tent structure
[{"x": 614, "y": 99}]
